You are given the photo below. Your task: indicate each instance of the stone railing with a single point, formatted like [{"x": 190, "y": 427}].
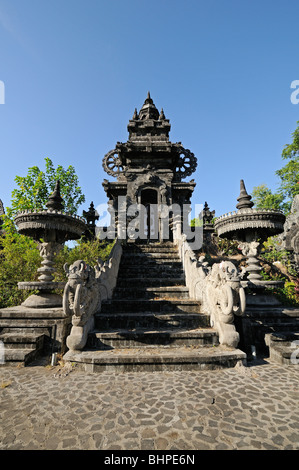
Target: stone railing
[
  {"x": 217, "y": 288},
  {"x": 87, "y": 287}
]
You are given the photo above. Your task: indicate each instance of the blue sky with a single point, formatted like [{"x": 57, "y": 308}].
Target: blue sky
[{"x": 74, "y": 71}]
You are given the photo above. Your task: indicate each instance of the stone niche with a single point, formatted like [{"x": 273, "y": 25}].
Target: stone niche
[{"x": 149, "y": 170}]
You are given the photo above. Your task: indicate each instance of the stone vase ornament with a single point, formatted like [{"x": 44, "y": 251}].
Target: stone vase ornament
[
  {"x": 50, "y": 228},
  {"x": 251, "y": 227}
]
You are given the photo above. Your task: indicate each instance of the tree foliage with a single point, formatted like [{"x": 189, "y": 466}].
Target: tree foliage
[
  {"x": 263, "y": 197},
  {"x": 88, "y": 250},
  {"x": 19, "y": 254},
  {"x": 20, "y": 259},
  {"x": 35, "y": 188}
]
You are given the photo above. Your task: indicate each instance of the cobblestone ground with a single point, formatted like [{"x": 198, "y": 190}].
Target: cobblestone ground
[{"x": 62, "y": 408}]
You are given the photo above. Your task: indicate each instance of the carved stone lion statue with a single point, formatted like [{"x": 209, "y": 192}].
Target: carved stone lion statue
[
  {"x": 81, "y": 293},
  {"x": 226, "y": 298}
]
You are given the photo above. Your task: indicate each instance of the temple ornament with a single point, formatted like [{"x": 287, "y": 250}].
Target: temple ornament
[
  {"x": 219, "y": 290},
  {"x": 112, "y": 163},
  {"x": 84, "y": 292},
  {"x": 225, "y": 297},
  {"x": 186, "y": 164}
]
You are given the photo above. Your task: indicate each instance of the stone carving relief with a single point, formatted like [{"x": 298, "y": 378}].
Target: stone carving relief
[
  {"x": 225, "y": 297},
  {"x": 84, "y": 291},
  {"x": 112, "y": 163},
  {"x": 186, "y": 164},
  {"x": 218, "y": 289},
  {"x": 290, "y": 236}
]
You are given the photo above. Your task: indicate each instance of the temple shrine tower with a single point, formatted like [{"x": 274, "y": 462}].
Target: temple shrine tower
[{"x": 149, "y": 169}]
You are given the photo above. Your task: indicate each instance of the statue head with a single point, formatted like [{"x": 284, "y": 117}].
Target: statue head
[{"x": 78, "y": 272}]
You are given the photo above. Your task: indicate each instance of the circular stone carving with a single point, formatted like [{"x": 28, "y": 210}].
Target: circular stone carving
[
  {"x": 112, "y": 163},
  {"x": 186, "y": 163}
]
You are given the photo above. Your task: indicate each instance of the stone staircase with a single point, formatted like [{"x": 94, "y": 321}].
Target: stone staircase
[
  {"x": 28, "y": 333},
  {"x": 271, "y": 328},
  {"x": 151, "y": 323}
]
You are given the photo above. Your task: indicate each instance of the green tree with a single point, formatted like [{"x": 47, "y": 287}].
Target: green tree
[
  {"x": 19, "y": 260},
  {"x": 35, "y": 188},
  {"x": 88, "y": 250},
  {"x": 19, "y": 255},
  {"x": 263, "y": 197},
  {"x": 289, "y": 174}
]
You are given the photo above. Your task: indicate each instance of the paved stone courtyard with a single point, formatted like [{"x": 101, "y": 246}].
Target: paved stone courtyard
[{"x": 49, "y": 408}]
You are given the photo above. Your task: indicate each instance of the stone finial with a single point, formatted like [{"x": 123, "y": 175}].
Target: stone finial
[
  {"x": 148, "y": 110},
  {"x": 135, "y": 115},
  {"x": 148, "y": 98},
  {"x": 55, "y": 201},
  {"x": 162, "y": 115},
  {"x": 244, "y": 198},
  {"x": 207, "y": 215},
  {"x": 91, "y": 215}
]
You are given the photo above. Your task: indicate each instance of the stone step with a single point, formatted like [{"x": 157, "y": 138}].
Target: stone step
[
  {"x": 106, "y": 321},
  {"x": 284, "y": 347},
  {"x": 25, "y": 331},
  {"x": 31, "y": 313},
  {"x": 156, "y": 359},
  {"x": 153, "y": 256},
  {"x": 278, "y": 326},
  {"x": 22, "y": 317},
  {"x": 22, "y": 340},
  {"x": 149, "y": 264},
  {"x": 169, "y": 292},
  {"x": 159, "y": 263},
  {"x": 157, "y": 306},
  {"x": 272, "y": 312},
  {"x": 27, "y": 322},
  {"x": 18, "y": 356},
  {"x": 124, "y": 282},
  {"x": 173, "y": 338},
  {"x": 28, "y": 332},
  {"x": 150, "y": 247},
  {"x": 155, "y": 271}
]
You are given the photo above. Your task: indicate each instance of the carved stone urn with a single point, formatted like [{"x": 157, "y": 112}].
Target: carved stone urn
[
  {"x": 251, "y": 227},
  {"x": 50, "y": 228}
]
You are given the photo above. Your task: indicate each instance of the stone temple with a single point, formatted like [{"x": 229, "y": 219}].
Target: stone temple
[
  {"x": 157, "y": 302},
  {"x": 149, "y": 168}
]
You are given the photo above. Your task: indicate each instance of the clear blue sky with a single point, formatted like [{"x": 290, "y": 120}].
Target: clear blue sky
[{"x": 74, "y": 70}]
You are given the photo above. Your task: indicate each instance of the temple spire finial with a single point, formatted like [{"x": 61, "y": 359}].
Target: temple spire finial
[
  {"x": 148, "y": 110},
  {"x": 244, "y": 200},
  {"x": 162, "y": 115},
  {"x": 55, "y": 201}
]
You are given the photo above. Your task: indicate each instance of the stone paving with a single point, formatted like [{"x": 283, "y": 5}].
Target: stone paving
[{"x": 62, "y": 407}]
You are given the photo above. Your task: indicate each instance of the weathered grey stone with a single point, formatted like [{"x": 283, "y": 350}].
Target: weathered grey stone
[
  {"x": 250, "y": 226},
  {"x": 149, "y": 168},
  {"x": 290, "y": 235}
]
